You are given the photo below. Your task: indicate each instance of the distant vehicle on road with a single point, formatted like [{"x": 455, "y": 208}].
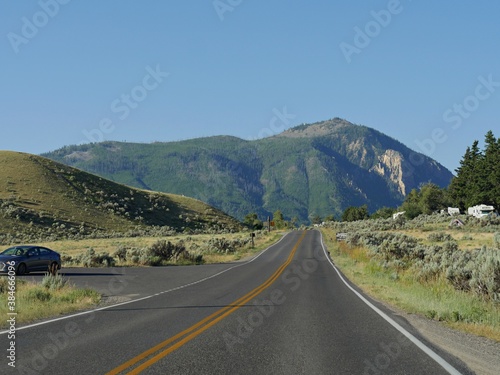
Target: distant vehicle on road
[{"x": 29, "y": 259}]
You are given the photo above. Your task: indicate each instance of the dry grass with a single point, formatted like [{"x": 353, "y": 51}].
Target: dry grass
[{"x": 35, "y": 302}]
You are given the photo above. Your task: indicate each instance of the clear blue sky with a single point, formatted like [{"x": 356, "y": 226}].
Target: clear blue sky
[{"x": 141, "y": 71}]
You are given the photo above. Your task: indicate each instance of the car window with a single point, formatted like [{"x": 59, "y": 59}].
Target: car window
[
  {"x": 44, "y": 251},
  {"x": 32, "y": 252},
  {"x": 10, "y": 251},
  {"x": 19, "y": 251}
]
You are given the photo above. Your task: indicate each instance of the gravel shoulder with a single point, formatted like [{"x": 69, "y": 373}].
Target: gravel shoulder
[{"x": 480, "y": 354}]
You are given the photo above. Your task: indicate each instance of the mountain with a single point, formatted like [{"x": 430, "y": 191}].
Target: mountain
[
  {"x": 41, "y": 198},
  {"x": 312, "y": 169}
]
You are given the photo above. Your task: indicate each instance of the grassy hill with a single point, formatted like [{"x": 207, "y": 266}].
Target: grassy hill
[
  {"x": 314, "y": 169},
  {"x": 41, "y": 198}
]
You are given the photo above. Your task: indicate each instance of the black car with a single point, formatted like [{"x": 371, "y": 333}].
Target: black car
[{"x": 29, "y": 259}]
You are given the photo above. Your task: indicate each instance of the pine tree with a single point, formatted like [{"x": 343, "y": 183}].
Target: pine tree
[
  {"x": 490, "y": 176},
  {"x": 478, "y": 177}
]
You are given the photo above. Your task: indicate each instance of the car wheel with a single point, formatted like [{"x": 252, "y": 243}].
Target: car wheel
[{"x": 21, "y": 270}]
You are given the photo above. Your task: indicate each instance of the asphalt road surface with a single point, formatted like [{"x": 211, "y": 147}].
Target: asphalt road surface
[{"x": 286, "y": 311}]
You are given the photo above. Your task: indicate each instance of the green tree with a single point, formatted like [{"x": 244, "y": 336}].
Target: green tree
[
  {"x": 383, "y": 213},
  {"x": 355, "y": 213},
  {"x": 490, "y": 171},
  {"x": 330, "y": 218},
  {"x": 428, "y": 199},
  {"x": 432, "y": 198},
  {"x": 279, "y": 221},
  {"x": 478, "y": 176},
  {"x": 252, "y": 221},
  {"x": 411, "y": 205},
  {"x": 317, "y": 219}
]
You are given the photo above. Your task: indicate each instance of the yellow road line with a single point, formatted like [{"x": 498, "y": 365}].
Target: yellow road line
[{"x": 188, "y": 334}]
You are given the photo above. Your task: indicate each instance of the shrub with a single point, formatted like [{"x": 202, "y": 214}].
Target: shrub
[
  {"x": 485, "y": 277},
  {"x": 121, "y": 253},
  {"x": 439, "y": 237},
  {"x": 475, "y": 271},
  {"x": 166, "y": 250},
  {"x": 53, "y": 282},
  {"x": 38, "y": 294},
  {"x": 496, "y": 240},
  {"x": 92, "y": 259}
]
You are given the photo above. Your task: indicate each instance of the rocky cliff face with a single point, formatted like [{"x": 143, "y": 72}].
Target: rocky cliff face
[{"x": 390, "y": 165}]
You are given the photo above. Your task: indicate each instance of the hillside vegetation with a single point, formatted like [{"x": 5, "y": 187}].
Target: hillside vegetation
[
  {"x": 43, "y": 199},
  {"x": 311, "y": 170}
]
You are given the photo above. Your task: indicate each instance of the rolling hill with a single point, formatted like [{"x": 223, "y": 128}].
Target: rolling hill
[
  {"x": 312, "y": 169},
  {"x": 41, "y": 198}
]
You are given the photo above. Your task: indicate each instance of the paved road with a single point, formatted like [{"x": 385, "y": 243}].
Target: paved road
[{"x": 287, "y": 311}]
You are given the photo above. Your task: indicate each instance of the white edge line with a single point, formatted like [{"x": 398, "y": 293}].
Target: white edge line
[
  {"x": 436, "y": 357},
  {"x": 143, "y": 298}
]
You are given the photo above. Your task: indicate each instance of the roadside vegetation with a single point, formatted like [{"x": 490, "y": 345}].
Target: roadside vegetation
[
  {"x": 52, "y": 297},
  {"x": 427, "y": 267},
  {"x": 55, "y": 296},
  {"x": 178, "y": 249}
]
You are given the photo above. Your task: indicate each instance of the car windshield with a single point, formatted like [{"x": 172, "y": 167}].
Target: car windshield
[{"x": 14, "y": 251}]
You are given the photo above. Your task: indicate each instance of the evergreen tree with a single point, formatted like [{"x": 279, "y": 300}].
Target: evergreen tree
[
  {"x": 490, "y": 171},
  {"x": 478, "y": 177}
]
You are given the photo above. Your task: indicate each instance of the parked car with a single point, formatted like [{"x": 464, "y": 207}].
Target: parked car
[{"x": 29, "y": 259}]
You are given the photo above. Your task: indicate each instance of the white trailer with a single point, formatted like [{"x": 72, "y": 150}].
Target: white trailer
[{"x": 480, "y": 210}]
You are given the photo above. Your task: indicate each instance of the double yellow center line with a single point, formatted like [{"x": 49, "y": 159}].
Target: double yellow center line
[{"x": 175, "y": 342}]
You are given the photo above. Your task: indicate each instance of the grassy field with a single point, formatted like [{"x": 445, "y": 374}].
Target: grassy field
[
  {"x": 51, "y": 298},
  {"x": 434, "y": 296}
]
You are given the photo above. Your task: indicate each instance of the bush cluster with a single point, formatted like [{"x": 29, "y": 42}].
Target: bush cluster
[
  {"x": 496, "y": 240},
  {"x": 53, "y": 282},
  {"x": 90, "y": 259},
  {"x": 474, "y": 271},
  {"x": 439, "y": 237},
  {"x": 226, "y": 246}
]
